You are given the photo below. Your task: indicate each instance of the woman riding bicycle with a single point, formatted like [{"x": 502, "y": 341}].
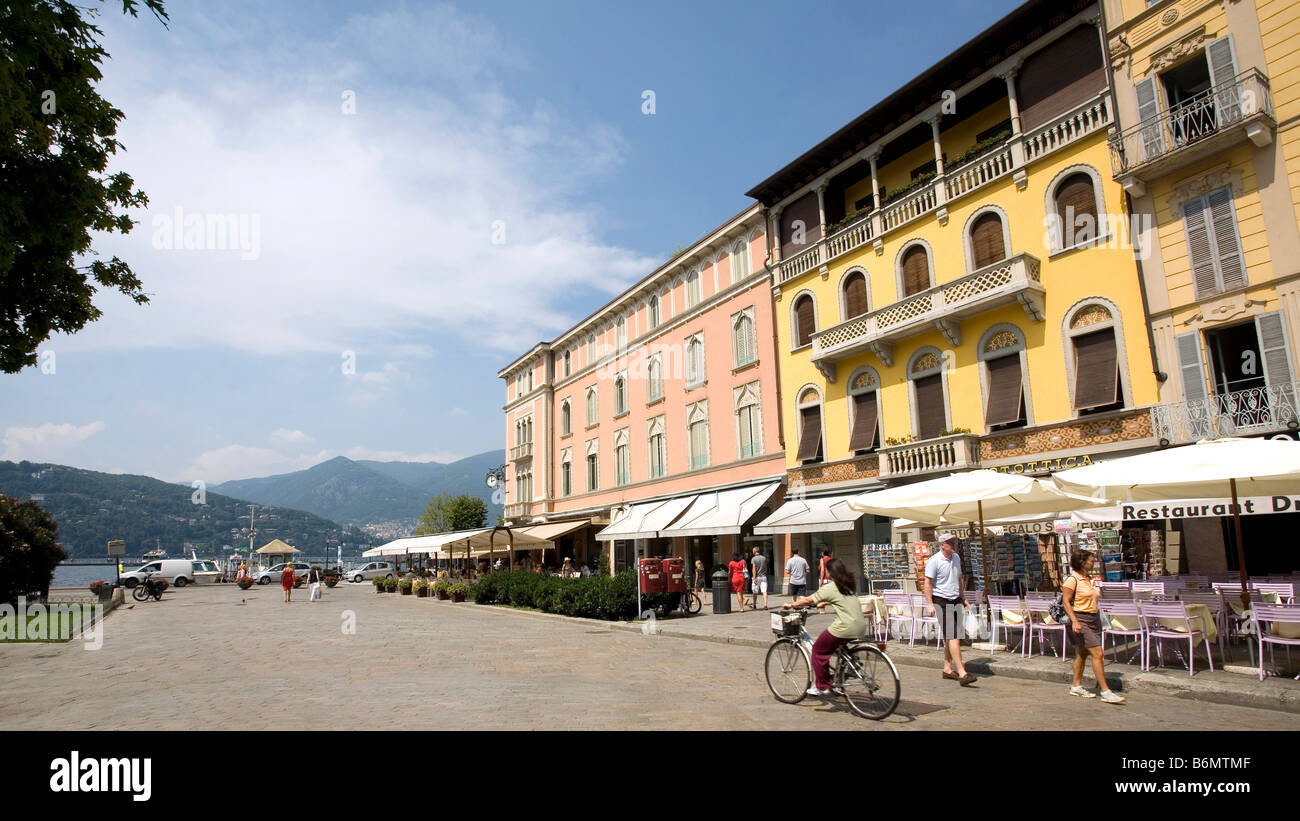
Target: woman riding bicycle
[{"x": 849, "y": 623}]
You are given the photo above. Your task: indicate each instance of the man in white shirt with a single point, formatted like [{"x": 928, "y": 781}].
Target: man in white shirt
[
  {"x": 943, "y": 594},
  {"x": 796, "y": 574}
]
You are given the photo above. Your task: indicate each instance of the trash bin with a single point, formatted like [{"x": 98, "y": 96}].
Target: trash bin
[{"x": 721, "y": 592}]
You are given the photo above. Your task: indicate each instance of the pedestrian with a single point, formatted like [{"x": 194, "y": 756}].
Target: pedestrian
[
  {"x": 849, "y": 624},
  {"x": 313, "y": 579},
  {"x": 943, "y": 595},
  {"x": 758, "y": 566},
  {"x": 1079, "y": 596},
  {"x": 796, "y": 573},
  {"x": 567, "y": 571},
  {"x": 737, "y": 568},
  {"x": 286, "y": 580},
  {"x": 700, "y": 578},
  {"x": 823, "y": 578}
]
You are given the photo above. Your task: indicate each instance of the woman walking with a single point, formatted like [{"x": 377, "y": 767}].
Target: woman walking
[
  {"x": 700, "y": 577},
  {"x": 1079, "y": 597},
  {"x": 737, "y": 568},
  {"x": 286, "y": 580}
]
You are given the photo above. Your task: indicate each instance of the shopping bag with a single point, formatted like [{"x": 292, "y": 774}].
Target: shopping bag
[{"x": 972, "y": 625}]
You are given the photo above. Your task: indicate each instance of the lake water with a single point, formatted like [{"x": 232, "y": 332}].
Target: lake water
[{"x": 81, "y": 575}]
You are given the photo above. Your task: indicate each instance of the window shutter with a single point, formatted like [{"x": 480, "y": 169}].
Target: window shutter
[
  {"x": 1096, "y": 370},
  {"x": 1199, "y": 252},
  {"x": 1006, "y": 391},
  {"x": 1273, "y": 350},
  {"x": 1223, "y": 74},
  {"x": 1153, "y": 142},
  {"x": 810, "y": 435},
  {"x": 1189, "y": 365},
  {"x": 864, "y": 421},
  {"x": 987, "y": 245},
  {"x": 1074, "y": 198},
  {"x": 855, "y": 296},
  {"x": 930, "y": 416},
  {"x": 1227, "y": 246},
  {"x": 804, "y": 320},
  {"x": 916, "y": 271}
]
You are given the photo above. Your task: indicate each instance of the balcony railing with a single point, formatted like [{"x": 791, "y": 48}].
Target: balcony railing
[
  {"x": 957, "y": 452},
  {"x": 1270, "y": 409},
  {"x": 1012, "y": 280},
  {"x": 1205, "y": 123},
  {"x": 957, "y": 182},
  {"x": 523, "y": 451},
  {"x": 518, "y": 509}
]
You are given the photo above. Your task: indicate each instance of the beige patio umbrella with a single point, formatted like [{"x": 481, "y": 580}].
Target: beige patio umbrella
[{"x": 1254, "y": 467}]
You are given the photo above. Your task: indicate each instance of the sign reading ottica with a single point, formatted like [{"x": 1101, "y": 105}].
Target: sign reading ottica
[{"x": 1046, "y": 465}]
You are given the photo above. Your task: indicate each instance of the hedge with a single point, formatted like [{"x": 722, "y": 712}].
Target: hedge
[{"x": 612, "y": 598}]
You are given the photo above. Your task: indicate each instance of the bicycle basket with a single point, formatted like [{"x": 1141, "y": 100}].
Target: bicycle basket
[{"x": 787, "y": 624}]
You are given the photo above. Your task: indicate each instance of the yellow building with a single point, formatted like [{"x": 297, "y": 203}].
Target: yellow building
[
  {"x": 1207, "y": 146},
  {"x": 954, "y": 281}
]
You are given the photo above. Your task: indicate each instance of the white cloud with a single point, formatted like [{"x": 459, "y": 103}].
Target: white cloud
[
  {"x": 47, "y": 443},
  {"x": 390, "y": 373},
  {"x": 460, "y": 412},
  {"x": 358, "y": 453},
  {"x": 242, "y": 462},
  {"x": 290, "y": 436}
]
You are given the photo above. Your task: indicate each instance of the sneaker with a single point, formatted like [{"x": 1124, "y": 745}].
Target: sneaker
[
  {"x": 1081, "y": 692},
  {"x": 813, "y": 691},
  {"x": 1111, "y": 698}
]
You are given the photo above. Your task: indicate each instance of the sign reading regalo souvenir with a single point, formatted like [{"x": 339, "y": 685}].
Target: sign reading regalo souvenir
[{"x": 1047, "y": 465}]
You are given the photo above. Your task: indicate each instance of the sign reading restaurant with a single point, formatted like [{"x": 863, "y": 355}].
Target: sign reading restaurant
[{"x": 1046, "y": 465}]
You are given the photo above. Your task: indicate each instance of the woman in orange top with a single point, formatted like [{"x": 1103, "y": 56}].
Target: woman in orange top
[
  {"x": 1079, "y": 597},
  {"x": 286, "y": 580}
]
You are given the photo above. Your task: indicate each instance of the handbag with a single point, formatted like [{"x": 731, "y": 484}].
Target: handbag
[{"x": 1057, "y": 610}]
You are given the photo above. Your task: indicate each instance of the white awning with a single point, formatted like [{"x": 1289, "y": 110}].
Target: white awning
[
  {"x": 432, "y": 543},
  {"x": 645, "y": 520},
  {"x": 721, "y": 511},
  {"x": 826, "y": 513}
]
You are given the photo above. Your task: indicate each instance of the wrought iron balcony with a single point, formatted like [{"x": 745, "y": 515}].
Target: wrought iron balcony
[
  {"x": 1270, "y": 409},
  {"x": 1013, "y": 280},
  {"x": 524, "y": 451},
  {"x": 1194, "y": 129},
  {"x": 959, "y": 451}
]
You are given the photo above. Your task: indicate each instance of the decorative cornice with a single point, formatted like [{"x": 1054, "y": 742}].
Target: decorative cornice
[
  {"x": 1185, "y": 46},
  {"x": 1205, "y": 182}
]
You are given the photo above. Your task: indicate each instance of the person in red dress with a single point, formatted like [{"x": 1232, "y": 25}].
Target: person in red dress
[
  {"x": 737, "y": 568},
  {"x": 286, "y": 580}
]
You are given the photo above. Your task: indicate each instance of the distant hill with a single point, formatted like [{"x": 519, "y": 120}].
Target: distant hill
[
  {"x": 370, "y": 492},
  {"x": 91, "y": 508}
]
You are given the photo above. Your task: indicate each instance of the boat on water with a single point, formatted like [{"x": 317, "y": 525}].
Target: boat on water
[{"x": 153, "y": 555}]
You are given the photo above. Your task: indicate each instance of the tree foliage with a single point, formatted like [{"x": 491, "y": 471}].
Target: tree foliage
[
  {"x": 56, "y": 137},
  {"x": 29, "y": 549},
  {"x": 446, "y": 513}
]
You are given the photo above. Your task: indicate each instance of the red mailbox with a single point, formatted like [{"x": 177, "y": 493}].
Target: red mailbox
[
  {"x": 675, "y": 575},
  {"x": 652, "y": 576}
]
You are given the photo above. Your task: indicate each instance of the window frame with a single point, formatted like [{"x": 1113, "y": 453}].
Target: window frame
[
  {"x": 1020, "y": 350},
  {"x": 694, "y": 380},
  {"x": 899, "y": 282},
  {"x": 1068, "y": 335},
  {"x": 744, "y": 315},
  {"x": 1055, "y": 235},
  {"x": 800, "y": 406},
  {"x": 592, "y": 405},
  {"x": 851, "y": 392},
  {"x": 749, "y": 397},
  {"x": 843, "y": 292},
  {"x": 968, "y": 237},
  {"x": 657, "y": 428},
  {"x": 795, "y": 345},
  {"x": 697, "y": 413},
  {"x": 912, "y": 375}
]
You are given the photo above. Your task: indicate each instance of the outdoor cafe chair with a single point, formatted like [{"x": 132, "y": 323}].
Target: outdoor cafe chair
[
  {"x": 1125, "y": 610},
  {"x": 1155, "y": 587},
  {"x": 1217, "y": 607},
  {"x": 898, "y": 609},
  {"x": 1036, "y": 608},
  {"x": 1007, "y": 604},
  {"x": 921, "y": 612},
  {"x": 1153, "y": 612},
  {"x": 1285, "y": 591},
  {"x": 1273, "y": 615}
]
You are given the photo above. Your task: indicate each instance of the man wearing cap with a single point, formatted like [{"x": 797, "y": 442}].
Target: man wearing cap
[{"x": 943, "y": 594}]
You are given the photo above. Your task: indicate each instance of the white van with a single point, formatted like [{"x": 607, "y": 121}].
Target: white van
[{"x": 177, "y": 572}]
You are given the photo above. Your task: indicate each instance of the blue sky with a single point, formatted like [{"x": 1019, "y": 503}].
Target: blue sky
[{"x": 425, "y": 191}]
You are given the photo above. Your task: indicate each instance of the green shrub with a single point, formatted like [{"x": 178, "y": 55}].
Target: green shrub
[{"x": 595, "y": 597}]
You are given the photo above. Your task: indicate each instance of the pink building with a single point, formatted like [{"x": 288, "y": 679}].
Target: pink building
[{"x": 657, "y": 418}]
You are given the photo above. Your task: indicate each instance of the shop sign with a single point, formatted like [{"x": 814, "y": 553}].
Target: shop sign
[
  {"x": 1047, "y": 465},
  {"x": 1196, "y": 508}
]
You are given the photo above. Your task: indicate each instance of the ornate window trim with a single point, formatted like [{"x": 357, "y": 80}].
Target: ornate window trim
[
  {"x": 1053, "y": 239},
  {"x": 748, "y": 395},
  {"x": 844, "y": 302},
  {"x": 898, "y": 264},
  {"x": 794, "y": 319},
  {"x": 1017, "y": 347},
  {"x": 913, "y": 374},
  {"x": 1121, "y": 349},
  {"x": 968, "y": 243}
]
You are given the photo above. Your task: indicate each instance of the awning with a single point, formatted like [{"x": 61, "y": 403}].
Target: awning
[
  {"x": 826, "y": 513},
  {"x": 721, "y": 511},
  {"x": 645, "y": 520},
  {"x": 432, "y": 543},
  {"x": 275, "y": 547},
  {"x": 551, "y": 531}
]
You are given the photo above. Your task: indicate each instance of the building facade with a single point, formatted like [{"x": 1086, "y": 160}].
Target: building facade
[
  {"x": 1207, "y": 147},
  {"x": 664, "y": 401}
]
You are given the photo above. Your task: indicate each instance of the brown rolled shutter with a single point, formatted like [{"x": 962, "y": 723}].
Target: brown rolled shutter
[
  {"x": 864, "y": 422},
  {"x": 1076, "y": 197},
  {"x": 1006, "y": 391},
  {"x": 810, "y": 434},
  {"x": 855, "y": 296},
  {"x": 930, "y": 414},
  {"x": 916, "y": 271},
  {"x": 986, "y": 240},
  {"x": 1096, "y": 370},
  {"x": 804, "y": 319}
]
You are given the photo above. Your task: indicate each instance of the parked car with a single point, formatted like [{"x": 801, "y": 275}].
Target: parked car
[
  {"x": 371, "y": 571},
  {"x": 177, "y": 572},
  {"x": 273, "y": 573},
  {"x": 206, "y": 571}
]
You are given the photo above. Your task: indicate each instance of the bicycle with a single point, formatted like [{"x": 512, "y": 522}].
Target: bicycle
[
  {"x": 862, "y": 672},
  {"x": 691, "y": 603}
]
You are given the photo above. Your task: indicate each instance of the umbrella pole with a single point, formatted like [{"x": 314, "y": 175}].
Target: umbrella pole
[
  {"x": 1241, "y": 546},
  {"x": 984, "y": 551},
  {"x": 511, "y": 534}
]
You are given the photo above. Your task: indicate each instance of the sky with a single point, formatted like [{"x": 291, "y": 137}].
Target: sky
[{"x": 359, "y": 213}]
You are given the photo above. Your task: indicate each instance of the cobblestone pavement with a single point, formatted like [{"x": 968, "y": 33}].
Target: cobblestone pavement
[{"x": 218, "y": 657}]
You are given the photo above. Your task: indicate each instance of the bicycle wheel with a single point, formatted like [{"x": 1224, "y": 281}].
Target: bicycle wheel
[
  {"x": 694, "y": 603},
  {"x": 869, "y": 681},
  {"x": 788, "y": 673}
]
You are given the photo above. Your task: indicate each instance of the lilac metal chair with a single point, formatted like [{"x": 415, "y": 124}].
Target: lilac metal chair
[
  {"x": 922, "y": 615},
  {"x": 1153, "y": 612},
  {"x": 1285, "y": 591},
  {"x": 1010, "y": 604},
  {"x": 1157, "y": 588},
  {"x": 898, "y": 610},
  {"x": 1037, "y": 606},
  {"x": 1274, "y": 614},
  {"x": 1128, "y": 610},
  {"x": 1217, "y": 607}
]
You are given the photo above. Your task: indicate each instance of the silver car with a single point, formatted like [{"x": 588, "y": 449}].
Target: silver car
[
  {"x": 371, "y": 571},
  {"x": 273, "y": 573}
]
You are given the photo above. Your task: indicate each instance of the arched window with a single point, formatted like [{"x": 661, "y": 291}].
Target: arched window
[
  {"x": 566, "y": 418},
  {"x": 694, "y": 360},
  {"x": 620, "y": 394},
  {"x": 929, "y": 394},
  {"x": 654, "y": 311},
  {"x": 864, "y": 410},
  {"x": 1092, "y": 357},
  {"x": 1073, "y": 202},
  {"x": 739, "y": 261},
  {"x": 622, "y": 458},
  {"x": 654, "y": 379},
  {"x": 855, "y": 295},
  {"x": 593, "y": 464},
  {"x": 658, "y": 450},
  {"x": 914, "y": 266},
  {"x": 697, "y": 428},
  {"x": 568, "y": 363},
  {"x": 1006, "y": 405},
  {"x": 744, "y": 346},
  {"x": 620, "y": 333},
  {"x": 810, "y": 426},
  {"x": 988, "y": 245},
  {"x": 805, "y": 320},
  {"x": 693, "y": 289},
  {"x": 593, "y": 407},
  {"x": 566, "y": 472},
  {"x": 749, "y": 426}
]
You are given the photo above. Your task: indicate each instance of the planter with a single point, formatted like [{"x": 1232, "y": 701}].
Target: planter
[
  {"x": 442, "y": 595},
  {"x": 422, "y": 593},
  {"x": 406, "y": 591},
  {"x": 330, "y": 581},
  {"x": 244, "y": 584},
  {"x": 458, "y": 597},
  {"x": 104, "y": 593}
]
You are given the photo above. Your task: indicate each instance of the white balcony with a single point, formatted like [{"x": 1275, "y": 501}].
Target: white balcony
[
  {"x": 1013, "y": 280},
  {"x": 524, "y": 451},
  {"x": 1271, "y": 409},
  {"x": 960, "y": 451},
  {"x": 518, "y": 510}
]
